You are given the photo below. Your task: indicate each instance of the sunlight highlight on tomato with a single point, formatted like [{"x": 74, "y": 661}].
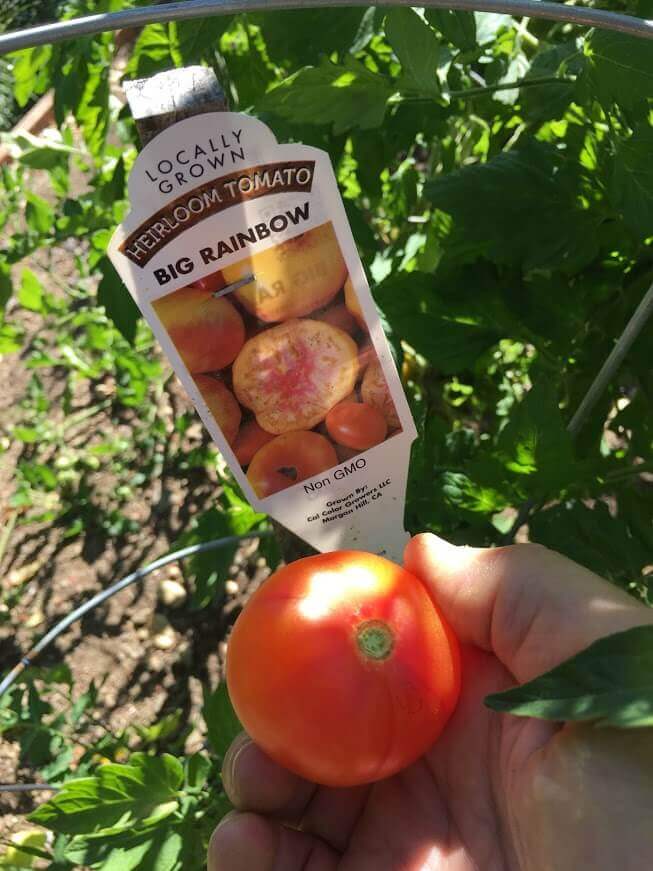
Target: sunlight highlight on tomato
[{"x": 342, "y": 669}]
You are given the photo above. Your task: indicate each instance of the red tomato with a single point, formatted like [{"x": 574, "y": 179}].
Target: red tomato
[
  {"x": 356, "y": 425},
  {"x": 342, "y": 669}
]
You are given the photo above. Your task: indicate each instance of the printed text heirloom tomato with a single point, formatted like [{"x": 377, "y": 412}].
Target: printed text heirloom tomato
[{"x": 342, "y": 669}]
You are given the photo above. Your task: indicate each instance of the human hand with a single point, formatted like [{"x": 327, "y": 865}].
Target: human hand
[{"x": 496, "y": 792}]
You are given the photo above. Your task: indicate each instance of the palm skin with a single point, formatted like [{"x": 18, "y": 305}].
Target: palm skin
[{"x": 495, "y": 793}]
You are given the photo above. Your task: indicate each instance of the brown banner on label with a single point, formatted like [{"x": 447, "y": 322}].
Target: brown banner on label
[{"x": 215, "y": 196}]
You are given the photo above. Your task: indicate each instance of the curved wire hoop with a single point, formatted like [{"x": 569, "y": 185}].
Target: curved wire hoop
[{"x": 93, "y": 24}]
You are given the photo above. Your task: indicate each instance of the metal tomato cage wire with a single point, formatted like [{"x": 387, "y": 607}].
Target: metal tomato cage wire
[
  {"x": 93, "y": 24},
  {"x": 90, "y": 25}
]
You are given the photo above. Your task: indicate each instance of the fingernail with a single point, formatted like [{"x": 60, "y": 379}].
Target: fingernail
[{"x": 229, "y": 768}]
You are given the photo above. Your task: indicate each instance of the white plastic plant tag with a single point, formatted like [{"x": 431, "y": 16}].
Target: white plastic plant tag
[{"x": 239, "y": 254}]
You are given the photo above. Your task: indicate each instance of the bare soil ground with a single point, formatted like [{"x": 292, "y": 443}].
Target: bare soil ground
[{"x": 118, "y": 643}]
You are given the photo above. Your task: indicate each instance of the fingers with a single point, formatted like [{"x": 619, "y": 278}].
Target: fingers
[
  {"x": 254, "y": 782},
  {"x": 333, "y": 813},
  {"x": 530, "y": 606},
  {"x": 249, "y": 842}
]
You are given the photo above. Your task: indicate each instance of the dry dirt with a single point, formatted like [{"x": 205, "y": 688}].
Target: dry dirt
[{"x": 116, "y": 643}]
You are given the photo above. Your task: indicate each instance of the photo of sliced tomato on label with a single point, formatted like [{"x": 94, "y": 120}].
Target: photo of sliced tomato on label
[
  {"x": 342, "y": 669},
  {"x": 279, "y": 349}
]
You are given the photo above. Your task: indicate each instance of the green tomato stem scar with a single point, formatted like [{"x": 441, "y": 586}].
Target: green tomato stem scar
[{"x": 375, "y": 639}]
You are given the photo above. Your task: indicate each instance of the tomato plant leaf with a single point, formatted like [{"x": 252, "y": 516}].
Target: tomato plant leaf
[
  {"x": 222, "y": 724},
  {"x": 346, "y": 95},
  {"x": 612, "y": 545},
  {"x": 197, "y": 769},
  {"x": 520, "y": 207},
  {"x": 116, "y": 798},
  {"x": 41, "y": 153},
  {"x": 38, "y": 214},
  {"x": 166, "y": 726},
  {"x": 416, "y": 314},
  {"x": 465, "y": 493},
  {"x": 6, "y": 285},
  {"x": 208, "y": 570},
  {"x": 152, "y": 50},
  {"x": 417, "y": 48},
  {"x": 458, "y": 27},
  {"x": 156, "y": 849},
  {"x": 610, "y": 682},
  {"x": 197, "y": 38},
  {"x": 117, "y": 301},
  {"x": 631, "y": 183},
  {"x": 31, "y": 74},
  {"x": 620, "y": 69},
  {"x": 551, "y": 100},
  {"x": 301, "y": 36},
  {"x": 242, "y": 517},
  {"x": 30, "y": 293},
  {"x": 250, "y": 72},
  {"x": 93, "y": 110},
  {"x": 535, "y": 441}
]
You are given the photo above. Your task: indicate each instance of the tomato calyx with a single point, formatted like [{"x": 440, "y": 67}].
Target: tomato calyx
[{"x": 375, "y": 639}]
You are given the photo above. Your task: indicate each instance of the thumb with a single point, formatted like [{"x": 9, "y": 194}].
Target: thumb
[{"x": 530, "y": 606}]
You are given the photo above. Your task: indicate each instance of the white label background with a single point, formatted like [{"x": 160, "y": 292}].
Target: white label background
[{"x": 377, "y": 526}]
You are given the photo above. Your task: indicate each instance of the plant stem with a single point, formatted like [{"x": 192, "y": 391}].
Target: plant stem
[
  {"x": 532, "y": 82},
  {"x": 509, "y": 86},
  {"x": 631, "y": 471}
]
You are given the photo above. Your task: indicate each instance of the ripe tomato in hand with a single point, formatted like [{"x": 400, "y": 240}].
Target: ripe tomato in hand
[{"x": 342, "y": 669}]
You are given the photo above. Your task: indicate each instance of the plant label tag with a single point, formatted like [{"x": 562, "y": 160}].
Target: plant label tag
[{"x": 239, "y": 254}]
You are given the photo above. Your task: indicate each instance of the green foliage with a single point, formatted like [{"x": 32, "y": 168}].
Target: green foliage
[
  {"x": 632, "y": 180},
  {"x": 418, "y": 51},
  {"x": 117, "y": 799},
  {"x": 620, "y": 69},
  {"x": 118, "y": 305},
  {"x": 348, "y": 95},
  {"x": 459, "y": 28},
  {"x": 221, "y": 720},
  {"x": 558, "y": 233},
  {"x": 120, "y": 805},
  {"x": 609, "y": 682},
  {"x": 134, "y": 815},
  {"x": 209, "y": 570},
  {"x": 497, "y": 177}
]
